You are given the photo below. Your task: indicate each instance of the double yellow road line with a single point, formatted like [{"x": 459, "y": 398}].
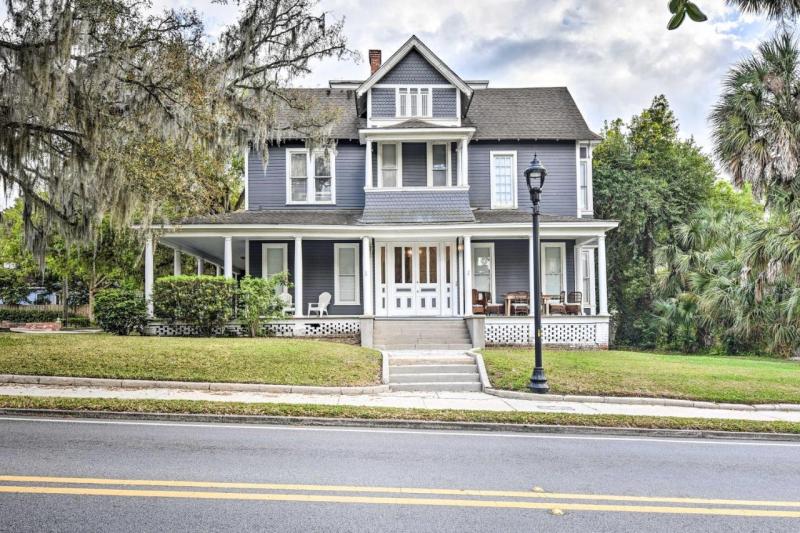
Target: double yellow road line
[{"x": 396, "y": 496}]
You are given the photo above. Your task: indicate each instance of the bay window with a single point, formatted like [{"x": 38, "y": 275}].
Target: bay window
[{"x": 310, "y": 176}]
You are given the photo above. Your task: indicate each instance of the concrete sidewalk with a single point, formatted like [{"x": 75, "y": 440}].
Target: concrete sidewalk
[{"x": 468, "y": 401}]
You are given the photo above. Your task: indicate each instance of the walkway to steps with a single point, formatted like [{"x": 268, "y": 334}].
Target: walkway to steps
[
  {"x": 421, "y": 334},
  {"x": 433, "y": 370}
]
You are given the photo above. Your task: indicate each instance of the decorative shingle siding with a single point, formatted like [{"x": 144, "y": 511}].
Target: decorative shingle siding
[
  {"x": 559, "y": 196},
  {"x": 423, "y": 206},
  {"x": 267, "y": 183},
  {"x": 415, "y": 165},
  {"x": 444, "y": 103},
  {"x": 383, "y": 105},
  {"x": 414, "y": 69}
]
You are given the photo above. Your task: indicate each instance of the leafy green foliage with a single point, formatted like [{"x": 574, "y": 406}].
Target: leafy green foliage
[
  {"x": 679, "y": 10},
  {"x": 651, "y": 181},
  {"x": 22, "y": 315},
  {"x": 120, "y": 311},
  {"x": 202, "y": 301},
  {"x": 259, "y": 300}
]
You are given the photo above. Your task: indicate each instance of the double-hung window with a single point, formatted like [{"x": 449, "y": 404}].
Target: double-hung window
[
  {"x": 346, "y": 274},
  {"x": 483, "y": 268},
  {"x": 439, "y": 159},
  {"x": 503, "y": 173},
  {"x": 310, "y": 176},
  {"x": 584, "y": 178},
  {"x": 274, "y": 260},
  {"x": 414, "y": 102},
  {"x": 554, "y": 268},
  {"x": 389, "y": 158}
]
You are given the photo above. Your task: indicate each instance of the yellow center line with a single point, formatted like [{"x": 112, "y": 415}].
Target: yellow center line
[
  {"x": 436, "y": 502},
  {"x": 393, "y": 490}
]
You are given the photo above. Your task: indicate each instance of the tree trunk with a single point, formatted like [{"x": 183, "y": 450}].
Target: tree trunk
[
  {"x": 65, "y": 301},
  {"x": 91, "y": 304}
]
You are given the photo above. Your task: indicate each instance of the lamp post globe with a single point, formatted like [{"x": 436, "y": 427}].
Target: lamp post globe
[{"x": 534, "y": 177}]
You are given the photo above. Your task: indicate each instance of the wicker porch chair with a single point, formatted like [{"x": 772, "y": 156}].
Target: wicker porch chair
[
  {"x": 520, "y": 304},
  {"x": 557, "y": 306},
  {"x": 574, "y": 305}
]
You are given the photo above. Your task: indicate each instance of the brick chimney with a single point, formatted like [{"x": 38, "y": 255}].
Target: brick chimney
[{"x": 374, "y": 61}]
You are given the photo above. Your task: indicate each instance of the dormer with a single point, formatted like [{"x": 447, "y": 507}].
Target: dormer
[{"x": 413, "y": 85}]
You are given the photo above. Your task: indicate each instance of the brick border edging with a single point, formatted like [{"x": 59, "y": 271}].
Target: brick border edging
[
  {"x": 632, "y": 400},
  {"x": 65, "y": 381}
]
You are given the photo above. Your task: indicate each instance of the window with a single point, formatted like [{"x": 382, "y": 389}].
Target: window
[
  {"x": 311, "y": 176},
  {"x": 584, "y": 178},
  {"x": 554, "y": 268},
  {"x": 389, "y": 173},
  {"x": 345, "y": 273},
  {"x": 439, "y": 158},
  {"x": 413, "y": 102},
  {"x": 587, "y": 279},
  {"x": 274, "y": 260},
  {"x": 483, "y": 267},
  {"x": 504, "y": 179}
]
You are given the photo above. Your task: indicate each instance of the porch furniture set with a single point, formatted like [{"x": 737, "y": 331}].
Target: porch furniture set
[{"x": 517, "y": 303}]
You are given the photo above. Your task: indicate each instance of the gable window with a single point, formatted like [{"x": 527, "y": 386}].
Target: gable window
[
  {"x": 503, "y": 173},
  {"x": 413, "y": 102},
  {"x": 439, "y": 164},
  {"x": 584, "y": 178},
  {"x": 554, "y": 268},
  {"x": 310, "y": 176},
  {"x": 389, "y": 171},
  {"x": 345, "y": 273}
]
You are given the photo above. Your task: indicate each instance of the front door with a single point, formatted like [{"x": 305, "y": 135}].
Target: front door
[{"x": 414, "y": 280}]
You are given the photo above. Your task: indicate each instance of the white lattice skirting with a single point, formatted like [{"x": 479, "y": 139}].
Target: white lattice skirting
[
  {"x": 577, "y": 331},
  {"x": 314, "y": 327}
]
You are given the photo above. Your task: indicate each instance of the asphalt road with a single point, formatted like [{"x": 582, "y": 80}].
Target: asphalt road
[{"x": 134, "y": 477}]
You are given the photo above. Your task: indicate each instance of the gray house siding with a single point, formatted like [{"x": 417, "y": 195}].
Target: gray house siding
[
  {"x": 267, "y": 183},
  {"x": 559, "y": 196},
  {"x": 383, "y": 104},
  {"x": 412, "y": 69},
  {"x": 511, "y": 265},
  {"x": 444, "y": 103},
  {"x": 317, "y": 272}
]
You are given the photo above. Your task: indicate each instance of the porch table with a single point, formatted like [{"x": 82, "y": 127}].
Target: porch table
[{"x": 510, "y": 297}]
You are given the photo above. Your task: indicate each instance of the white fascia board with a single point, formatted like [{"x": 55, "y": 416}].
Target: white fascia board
[{"x": 415, "y": 134}]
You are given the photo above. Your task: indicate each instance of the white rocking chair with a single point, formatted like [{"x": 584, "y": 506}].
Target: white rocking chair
[
  {"x": 321, "y": 307},
  {"x": 288, "y": 306}
]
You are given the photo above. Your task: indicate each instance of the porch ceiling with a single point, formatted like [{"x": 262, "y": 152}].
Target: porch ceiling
[{"x": 212, "y": 249}]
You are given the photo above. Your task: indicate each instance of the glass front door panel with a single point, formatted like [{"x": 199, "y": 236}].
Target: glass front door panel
[{"x": 415, "y": 289}]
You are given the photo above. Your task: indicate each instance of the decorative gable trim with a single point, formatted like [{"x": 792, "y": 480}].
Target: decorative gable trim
[{"x": 419, "y": 46}]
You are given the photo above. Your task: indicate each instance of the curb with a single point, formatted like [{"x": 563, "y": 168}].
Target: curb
[
  {"x": 486, "y": 385},
  {"x": 186, "y": 385},
  {"x": 628, "y": 400},
  {"x": 402, "y": 424}
]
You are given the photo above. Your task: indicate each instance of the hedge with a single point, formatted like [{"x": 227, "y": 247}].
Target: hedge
[
  {"x": 120, "y": 311},
  {"x": 206, "y": 302},
  {"x": 22, "y": 315}
]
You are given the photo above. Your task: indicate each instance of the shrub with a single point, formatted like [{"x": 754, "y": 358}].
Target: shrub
[
  {"x": 259, "y": 299},
  {"x": 205, "y": 302},
  {"x": 22, "y": 315},
  {"x": 119, "y": 311},
  {"x": 78, "y": 322}
]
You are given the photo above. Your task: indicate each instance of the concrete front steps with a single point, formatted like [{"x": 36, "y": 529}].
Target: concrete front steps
[
  {"x": 421, "y": 334},
  {"x": 451, "y": 370}
]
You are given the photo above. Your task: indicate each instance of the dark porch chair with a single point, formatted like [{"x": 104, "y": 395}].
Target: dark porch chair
[
  {"x": 556, "y": 304},
  {"x": 479, "y": 300},
  {"x": 574, "y": 303},
  {"x": 520, "y": 303}
]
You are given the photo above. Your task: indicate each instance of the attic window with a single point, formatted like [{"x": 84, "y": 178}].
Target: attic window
[{"x": 413, "y": 102}]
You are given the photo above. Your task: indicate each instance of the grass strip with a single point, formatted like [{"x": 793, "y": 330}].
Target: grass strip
[{"x": 392, "y": 413}]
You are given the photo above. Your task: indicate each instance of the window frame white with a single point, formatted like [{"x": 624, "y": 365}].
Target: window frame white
[
  {"x": 493, "y": 179},
  {"x": 562, "y": 246},
  {"x": 492, "y": 265},
  {"x": 356, "y": 266},
  {"x": 580, "y": 274},
  {"x": 399, "y": 163},
  {"x": 311, "y": 178},
  {"x": 265, "y": 247},
  {"x": 449, "y": 162},
  {"x": 589, "y": 208},
  {"x": 418, "y": 97}
]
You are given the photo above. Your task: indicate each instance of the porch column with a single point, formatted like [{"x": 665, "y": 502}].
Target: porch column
[
  {"x": 199, "y": 265},
  {"x": 148, "y": 274},
  {"x": 464, "y": 181},
  {"x": 467, "y": 275},
  {"x": 366, "y": 274},
  {"x": 176, "y": 262},
  {"x": 229, "y": 257},
  {"x": 216, "y": 267},
  {"x": 298, "y": 277},
  {"x": 602, "y": 291},
  {"x": 531, "y": 277},
  {"x": 368, "y": 166}
]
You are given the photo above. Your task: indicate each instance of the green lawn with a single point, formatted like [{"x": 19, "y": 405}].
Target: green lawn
[
  {"x": 265, "y": 360},
  {"x": 617, "y": 373}
]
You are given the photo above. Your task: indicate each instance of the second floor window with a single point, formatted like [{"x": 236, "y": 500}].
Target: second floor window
[
  {"x": 584, "y": 178},
  {"x": 413, "y": 102},
  {"x": 439, "y": 160},
  {"x": 310, "y": 176},
  {"x": 389, "y": 168},
  {"x": 504, "y": 179}
]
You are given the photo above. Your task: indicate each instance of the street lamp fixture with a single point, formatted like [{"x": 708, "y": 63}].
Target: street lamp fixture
[{"x": 534, "y": 177}]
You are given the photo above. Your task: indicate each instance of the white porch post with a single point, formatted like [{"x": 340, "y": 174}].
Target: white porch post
[
  {"x": 366, "y": 274},
  {"x": 199, "y": 265},
  {"x": 602, "y": 289},
  {"x": 467, "y": 275},
  {"x": 464, "y": 180},
  {"x": 216, "y": 267},
  {"x": 368, "y": 166},
  {"x": 229, "y": 257},
  {"x": 298, "y": 277},
  {"x": 531, "y": 277},
  {"x": 148, "y": 274},
  {"x": 176, "y": 262}
]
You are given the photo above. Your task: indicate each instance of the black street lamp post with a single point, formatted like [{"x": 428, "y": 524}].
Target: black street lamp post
[{"x": 534, "y": 176}]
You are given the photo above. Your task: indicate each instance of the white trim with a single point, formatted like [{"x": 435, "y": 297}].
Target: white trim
[
  {"x": 449, "y": 156},
  {"x": 399, "y": 163},
  {"x": 579, "y": 275},
  {"x": 562, "y": 246},
  {"x": 439, "y": 122},
  {"x": 247, "y": 257},
  {"x": 417, "y": 97},
  {"x": 412, "y": 188},
  {"x": 416, "y": 134},
  {"x": 589, "y": 210},
  {"x": 228, "y": 258},
  {"x": 369, "y": 106},
  {"x": 492, "y": 265},
  {"x": 284, "y": 247},
  {"x": 356, "y": 260},
  {"x": 395, "y": 58},
  {"x": 310, "y": 176},
  {"x": 404, "y": 85},
  {"x": 246, "y": 178},
  {"x": 514, "y": 184}
]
